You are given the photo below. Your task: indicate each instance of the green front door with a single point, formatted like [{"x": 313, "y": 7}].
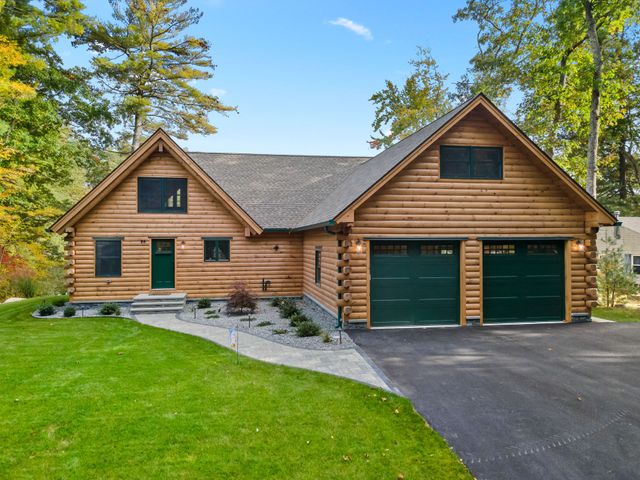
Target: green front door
[
  {"x": 523, "y": 281},
  {"x": 414, "y": 283},
  {"x": 162, "y": 263}
]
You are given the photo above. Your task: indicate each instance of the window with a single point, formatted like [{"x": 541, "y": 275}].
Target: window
[
  {"x": 542, "y": 249},
  {"x": 636, "y": 264},
  {"x": 318, "y": 265},
  {"x": 389, "y": 249},
  {"x": 499, "y": 249},
  {"x": 162, "y": 195},
  {"x": 471, "y": 162},
  {"x": 217, "y": 249},
  {"x": 433, "y": 249},
  {"x": 108, "y": 257}
]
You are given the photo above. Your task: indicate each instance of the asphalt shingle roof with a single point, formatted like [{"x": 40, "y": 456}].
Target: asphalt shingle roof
[
  {"x": 297, "y": 191},
  {"x": 277, "y": 191}
]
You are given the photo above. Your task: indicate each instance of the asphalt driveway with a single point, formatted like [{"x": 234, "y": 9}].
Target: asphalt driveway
[{"x": 526, "y": 402}]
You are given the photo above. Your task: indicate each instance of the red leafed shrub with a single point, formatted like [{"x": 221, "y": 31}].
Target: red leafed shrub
[{"x": 241, "y": 300}]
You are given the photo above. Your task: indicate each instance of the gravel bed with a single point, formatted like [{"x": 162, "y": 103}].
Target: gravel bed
[
  {"x": 266, "y": 313},
  {"x": 87, "y": 310}
]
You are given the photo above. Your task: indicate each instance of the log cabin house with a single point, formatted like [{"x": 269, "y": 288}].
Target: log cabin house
[{"x": 466, "y": 220}]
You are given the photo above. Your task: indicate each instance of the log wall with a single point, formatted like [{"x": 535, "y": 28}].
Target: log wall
[
  {"x": 325, "y": 293},
  {"x": 527, "y": 202},
  {"x": 272, "y": 256}
]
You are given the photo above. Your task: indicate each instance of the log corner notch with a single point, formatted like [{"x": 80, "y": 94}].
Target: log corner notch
[
  {"x": 69, "y": 256},
  {"x": 343, "y": 286}
]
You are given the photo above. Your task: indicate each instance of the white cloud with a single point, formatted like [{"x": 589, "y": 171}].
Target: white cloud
[
  {"x": 218, "y": 92},
  {"x": 356, "y": 28}
]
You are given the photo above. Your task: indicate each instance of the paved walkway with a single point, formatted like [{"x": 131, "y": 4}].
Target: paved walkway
[{"x": 347, "y": 363}]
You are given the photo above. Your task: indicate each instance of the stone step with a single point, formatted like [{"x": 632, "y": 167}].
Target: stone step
[
  {"x": 152, "y": 309},
  {"x": 143, "y": 297},
  {"x": 170, "y": 303}
]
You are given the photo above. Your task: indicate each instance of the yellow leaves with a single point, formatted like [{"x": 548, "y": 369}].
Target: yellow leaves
[{"x": 11, "y": 57}]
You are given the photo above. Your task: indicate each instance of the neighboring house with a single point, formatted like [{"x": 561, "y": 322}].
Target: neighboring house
[
  {"x": 466, "y": 220},
  {"x": 627, "y": 236}
]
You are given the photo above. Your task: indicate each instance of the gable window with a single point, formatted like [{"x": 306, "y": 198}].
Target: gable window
[
  {"x": 318, "y": 266},
  {"x": 108, "y": 257},
  {"x": 217, "y": 249},
  {"x": 471, "y": 162},
  {"x": 636, "y": 264},
  {"x": 162, "y": 195}
]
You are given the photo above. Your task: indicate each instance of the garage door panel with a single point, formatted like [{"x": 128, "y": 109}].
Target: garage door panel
[
  {"x": 414, "y": 283},
  {"x": 523, "y": 281}
]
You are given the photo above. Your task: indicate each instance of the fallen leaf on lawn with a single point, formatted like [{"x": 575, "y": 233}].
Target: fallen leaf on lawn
[
  {"x": 308, "y": 442},
  {"x": 400, "y": 476},
  {"x": 257, "y": 429},
  {"x": 346, "y": 458},
  {"x": 384, "y": 399},
  {"x": 396, "y": 411},
  {"x": 579, "y": 399},
  {"x": 120, "y": 353}
]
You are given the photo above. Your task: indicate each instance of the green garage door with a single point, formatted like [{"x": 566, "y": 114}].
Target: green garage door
[
  {"x": 523, "y": 281},
  {"x": 414, "y": 283}
]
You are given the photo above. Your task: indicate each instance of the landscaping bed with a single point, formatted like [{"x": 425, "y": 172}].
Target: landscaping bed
[
  {"x": 267, "y": 322},
  {"x": 56, "y": 307}
]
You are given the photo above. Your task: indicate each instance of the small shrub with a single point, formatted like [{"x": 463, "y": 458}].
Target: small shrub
[
  {"x": 59, "y": 302},
  {"x": 264, "y": 324},
  {"x": 46, "y": 309},
  {"x": 280, "y": 331},
  {"x": 298, "y": 318},
  {"x": 247, "y": 319},
  {"x": 288, "y": 308},
  {"x": 69, "y": 312},
  {"x": 110, "y": 309},
  {"x": 241, "y": 299},
  {"x": 204, "y": 303},
  {"x": 326, "y": 337},
  {"x": 24, "y": 286},
  {"x": 211, "y": 314},
  {"x": 276, "y": 301},
  {"x": 307, "y": 329}
]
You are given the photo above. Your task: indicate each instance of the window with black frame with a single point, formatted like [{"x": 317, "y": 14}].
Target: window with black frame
[
  {"x": 470, "y": 162},
  {"x": 162, "y": 195},
  {"x": 108, "y": 257},
  {"x": 217, "y": 249}
]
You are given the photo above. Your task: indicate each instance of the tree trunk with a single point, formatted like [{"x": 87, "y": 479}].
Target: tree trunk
[
  {"x": 137, "y": 132},
  {"x": 622, "y": 169},
  {"x": 594, "y": 112}
]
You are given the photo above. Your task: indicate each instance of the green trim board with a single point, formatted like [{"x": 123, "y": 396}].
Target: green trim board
[
  {"x": 523, "y": 281},
  {"x": 414, "y": 282}
]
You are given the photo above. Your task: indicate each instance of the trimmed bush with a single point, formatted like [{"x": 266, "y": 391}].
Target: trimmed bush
[
  {"x": 110, "y": 309},
  {"x": 69, "y": 312},
  {"x": 298, "y": 318},
  {"x": 241, "y": 299},
  {"x": 288, "y": 308},
  {"x": 264, "y": 324},
  {"x": 46, "y": 309},
  {"x": 280, "y": 331},
  {"x": 307, "y": 329},
  {"x": 204, "y": 303},
  {"x": 59, "y": 302},
  {"x": 276, "y": 301}
]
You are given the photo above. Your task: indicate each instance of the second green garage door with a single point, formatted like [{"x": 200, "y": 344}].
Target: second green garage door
[
  {"x": 414, "y": 283},
  {"x": 523, "y": 281}
]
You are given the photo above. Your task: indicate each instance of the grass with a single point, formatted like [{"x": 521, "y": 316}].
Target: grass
[
  {"x": 111, "y": 398},
  {"x": 618, "y": 314}
]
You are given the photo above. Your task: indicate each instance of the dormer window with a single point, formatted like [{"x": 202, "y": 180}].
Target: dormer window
[
  {"x": 471, "y": 162},
  {"x": 162, "y": 195}
]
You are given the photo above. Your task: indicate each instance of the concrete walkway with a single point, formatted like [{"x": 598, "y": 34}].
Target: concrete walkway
[{"x": 347, "y": 363}]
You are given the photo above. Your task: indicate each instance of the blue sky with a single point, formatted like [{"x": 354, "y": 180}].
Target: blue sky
[{"x": 301, "y": 74}]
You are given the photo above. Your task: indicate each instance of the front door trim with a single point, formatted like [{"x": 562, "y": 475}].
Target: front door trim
[{"x": 168, "y": 278}]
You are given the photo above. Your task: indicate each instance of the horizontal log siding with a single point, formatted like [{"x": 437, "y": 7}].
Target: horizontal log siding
[
  {"x": 416, "y": 202},
  {"x": 325, "y": 293},
  {"x": 252, "y": 259}
]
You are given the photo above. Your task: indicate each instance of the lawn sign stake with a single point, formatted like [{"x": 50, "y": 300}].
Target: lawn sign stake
[{"x": 233, "y": 341}]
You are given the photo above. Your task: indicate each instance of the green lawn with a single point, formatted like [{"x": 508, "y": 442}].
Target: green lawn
[
  {"x": 618, "y": 314},
  {"x": 110, "y": 398}
]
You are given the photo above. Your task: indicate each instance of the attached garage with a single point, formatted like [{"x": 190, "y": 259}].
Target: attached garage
[
  {"x": 414, "y": 283},
  {"x": 523, "y": 281}
]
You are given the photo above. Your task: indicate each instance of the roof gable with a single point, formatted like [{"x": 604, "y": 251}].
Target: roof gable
[
  {"x": 159, "y": 141},
  {"x": 368, "y": 178}
]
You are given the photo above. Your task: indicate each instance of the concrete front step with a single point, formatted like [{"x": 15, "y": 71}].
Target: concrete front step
[{"x": 169, "y": 303}]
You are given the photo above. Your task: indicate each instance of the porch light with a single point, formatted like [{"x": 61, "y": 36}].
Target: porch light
[
  {"x": 182, "y": 245},
  {"x": 580, "y": 245},
  {"x": 359, "y": 246}
]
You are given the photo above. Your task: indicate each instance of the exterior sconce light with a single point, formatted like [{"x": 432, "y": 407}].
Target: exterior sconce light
[
  {"x": 182, "y": 245},
  {"x": 358, "y": 246},
  {"x": 580, "y": 245}
]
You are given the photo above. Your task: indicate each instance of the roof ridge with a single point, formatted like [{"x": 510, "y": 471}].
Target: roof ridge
[{"x": 279, "y": 154}]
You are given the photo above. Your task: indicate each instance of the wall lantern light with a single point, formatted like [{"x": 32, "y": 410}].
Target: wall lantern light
[
  {"x": 359, "y": 246},
  {"x": 580, "y": 245},
  {"x": 182, "y": 245}
]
